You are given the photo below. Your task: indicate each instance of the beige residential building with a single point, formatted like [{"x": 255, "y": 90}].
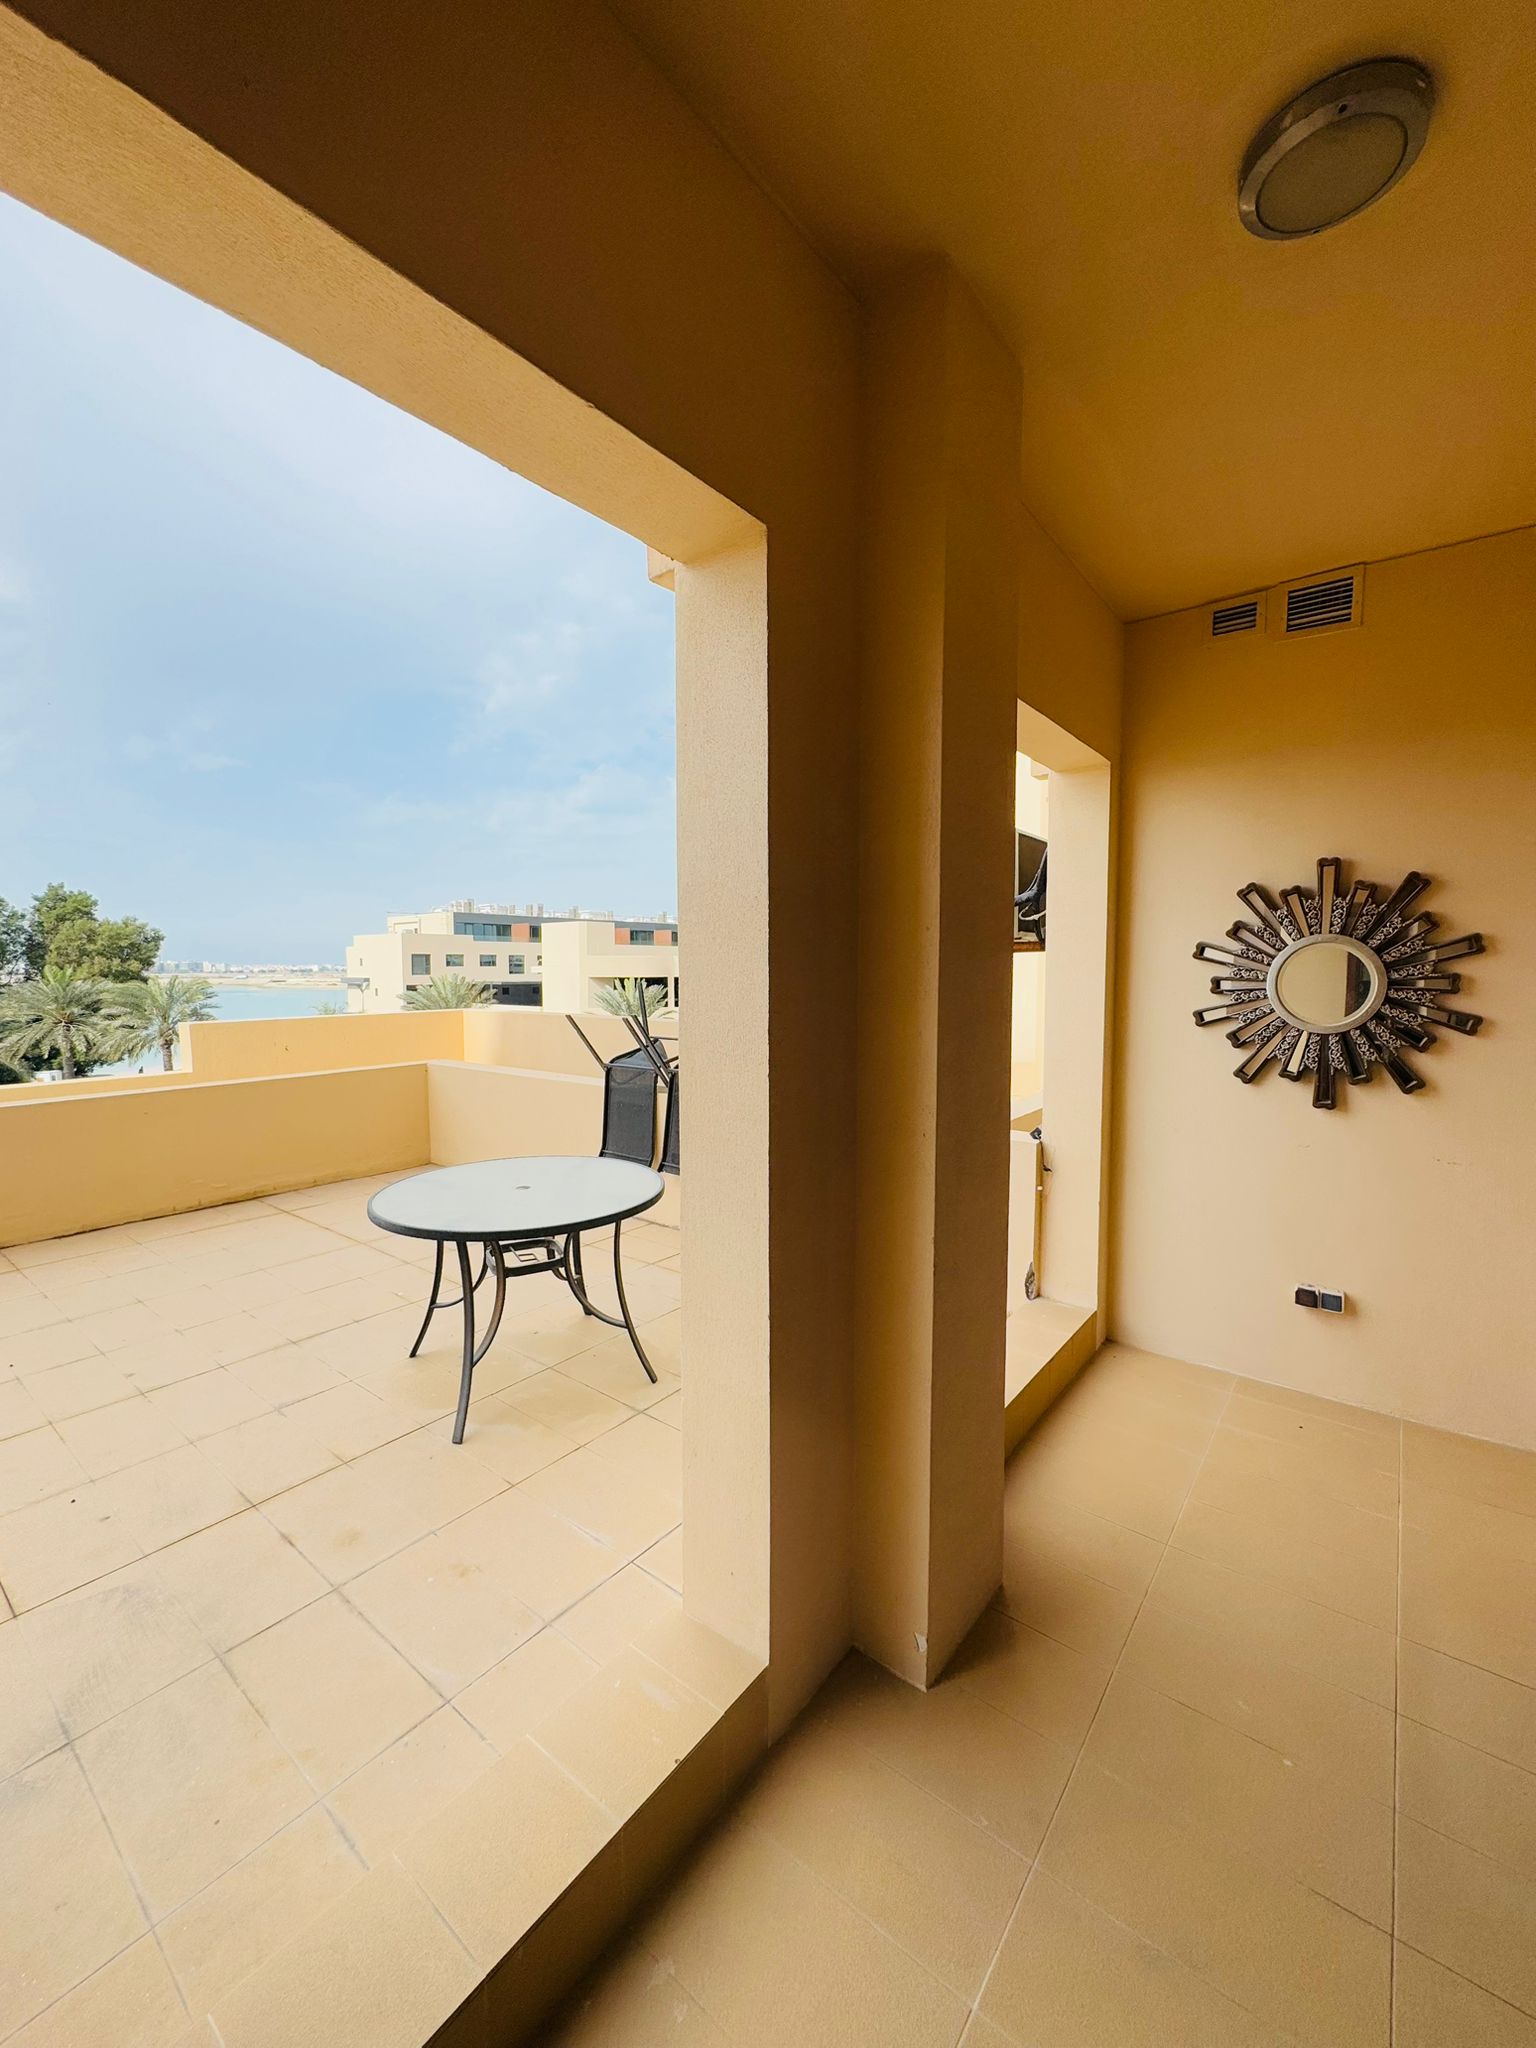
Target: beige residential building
[{"x": 530, "y": 958}]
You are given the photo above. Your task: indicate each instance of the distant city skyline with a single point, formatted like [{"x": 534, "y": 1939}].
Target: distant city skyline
[{"x": 277, "y": 660}]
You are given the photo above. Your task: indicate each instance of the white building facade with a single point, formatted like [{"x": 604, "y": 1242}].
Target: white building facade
[{"x": 527, "y": 956}]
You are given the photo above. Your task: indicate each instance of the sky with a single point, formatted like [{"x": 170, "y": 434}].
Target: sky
[{"x": 277, "y": 659}]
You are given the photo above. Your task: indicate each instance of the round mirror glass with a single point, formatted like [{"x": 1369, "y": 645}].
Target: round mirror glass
[{"x": 1327, "y": 983}]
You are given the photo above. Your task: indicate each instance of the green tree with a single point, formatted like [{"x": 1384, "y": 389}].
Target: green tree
[
  {"x": 13, "y": 942},
  {"x": 67, "y": 1015},
  {"x": 147, "y": 1016},
  {"x": 65, "y": 930},
  {"x": 631, "y": 997},
  {"x": 448, "y": 992},
  {"x": 51, "y": 908},
  {"x": 121, "y": 949}
]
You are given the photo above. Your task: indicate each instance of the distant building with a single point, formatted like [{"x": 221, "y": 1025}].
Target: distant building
[{"x": 527, "y": 955}]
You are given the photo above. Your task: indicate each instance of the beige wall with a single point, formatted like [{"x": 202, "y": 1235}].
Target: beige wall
[
  {"x": 242, "y": 1047},
  {"x": 1409, "y": 742},
  {"x": 86, "y": 1161}
]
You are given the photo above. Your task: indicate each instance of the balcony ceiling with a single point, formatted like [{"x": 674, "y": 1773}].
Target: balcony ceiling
[{"x": 1203, "y": 412}]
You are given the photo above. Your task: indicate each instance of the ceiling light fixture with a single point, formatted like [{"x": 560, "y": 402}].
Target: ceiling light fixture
[{"x": 1335, "y": 148}]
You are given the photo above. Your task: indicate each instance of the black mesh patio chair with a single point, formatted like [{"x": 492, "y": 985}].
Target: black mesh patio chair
[{"x": 671, "y": 1161}]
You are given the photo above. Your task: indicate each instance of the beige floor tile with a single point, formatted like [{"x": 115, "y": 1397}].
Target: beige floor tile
[
  {"x": 940, "y": 1886},
  {"x": 410, "y": 1782},
  {"x": 42, "y": 1350},
  {"x": 543, "y": 1559},
  {"x": 285, "y": 1375},
  {"x": 424, "y": 1388},
  {"x": 190, "y": 1780},
  {"x": 173, "y": 1496},
  {"x": 1049, "y": 1687},
  {"x": 1463, "y": 1909},
  {"x": 131, "y": 2002},
  {"x": 108, "y": 1440},
  {"x": 1040, "y": 1529},
  {"x": 1433, "y": 2008},
  {"x": 1199, "y": 1387},
  {"x": 238, "y": 1578},
  {"x": 111, "y": 1644},
  {"x": 493, "y": 1858},
  {"x": 988, "y": 1766},
  {"x": 567, "y": 1407},
  {"x": 1337, "y": 1735},
  {"x": 505, "y": 1440},
  {"x": 623, "y": 1732},
  {"x": 616, "y": 1613},
  {"x": 80, "y": 1299},
  {"x": 326, "y": 1308},
  {"x": 245, "y": 1916},
  {"x": 449, "y": 1615},
  {"x": 267, "y": 1456},
  {"x": 431, "y": 1475},
  {"x": 1111, "y": 1473},
  {"x": 1312, "y": 1459},
  {"x": 1339, "y": 1412},
  {"x": 1256, "y": 1617},
  {"x": 1069, "y": 1976},
  {"x": 980, "y": 2032},
  {"x": 23, "y": 1309},
  {"x": 647, "y": 1450},
  {"x": 114, "y": 1329},
  {"x": 1275, "y": 1809},
  {"x": 211, "y": 1402},
  {"x": 1463, "y": 1601},
  {"x": 334, "y": 1692},
  {"x": 1476, "y": 1799},
  {"x": 1351, "y": 1438},
  {"x": 734, "y": 1965},
  {"x": 1066, "y": 1605},
  {"x": 1316, "y": 1548},
  {"x": 339, "y": 1983},
  {"x": 189, "y": 1307},
  {"x": 232, "y": 1337},
  {"x": 34, "y": 1467},
  {"x": 1242, "y": 1928},
  {"x": 69, "y": 1907},
  {"x": 525, "y": 1688},
  {"x": 330, "y": 1269},
  {"x": 1478, "y": 1707},
  {"x": 612, "y": 1368},
  {"x": 637, "y": 2001},
  {"x": 664, "y": 1560},
  {"x": 62, "y": 1543},
  {"x": 1092, "y": 1405},
  {"x": 29, "y": 1724},
  {"x": 343, "y": 1524},
  {"x": 160, "y": 1361},
  {"x": 1496, "y": 1474},
  {"x": 75, "y": 1389},
  {"x": 351, "y": 1421},
  {"x": 669, "y": 1411},
  {"x": 604, "y": 1501}
]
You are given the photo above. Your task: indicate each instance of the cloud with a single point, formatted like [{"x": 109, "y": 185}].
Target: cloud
[{"x": 184, "y": 751}]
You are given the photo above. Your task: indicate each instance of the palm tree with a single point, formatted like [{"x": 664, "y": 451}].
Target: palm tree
[
  {"x": 147, "y": 1016},
  {"x": 448, "y": 992},
  {"x": 633, "y": 998},
  {"x": 60, "y": 1012}
]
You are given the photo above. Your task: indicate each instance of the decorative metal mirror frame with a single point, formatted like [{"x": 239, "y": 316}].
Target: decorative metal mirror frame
[{"x": 1401, "y": 951}]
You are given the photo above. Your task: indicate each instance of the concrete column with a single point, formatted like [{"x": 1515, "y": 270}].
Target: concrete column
[{"x": 936, "y": 877}]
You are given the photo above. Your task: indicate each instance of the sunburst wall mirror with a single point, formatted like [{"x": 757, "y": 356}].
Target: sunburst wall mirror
[{"x": 1331, "y": 983}]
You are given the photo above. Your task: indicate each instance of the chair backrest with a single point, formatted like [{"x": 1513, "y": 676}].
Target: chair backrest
[
  {"x": 629, "y": 1109},
  {"x": 671, "y": 1159}
]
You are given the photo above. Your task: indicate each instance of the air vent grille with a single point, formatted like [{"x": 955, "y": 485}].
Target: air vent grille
[
  {"x": 1240, "y": 616},
  {"x": 1328, "y": 602}
]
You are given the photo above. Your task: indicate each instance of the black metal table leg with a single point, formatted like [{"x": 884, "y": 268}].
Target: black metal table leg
[
  {"x": 468, "y": 1373},
  {"x": 437, "y": 1281},
  {"x": 629, "y": 1321}
]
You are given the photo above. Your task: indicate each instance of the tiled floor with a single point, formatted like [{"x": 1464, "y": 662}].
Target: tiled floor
[
  {"x": 258, "y": 1616},
  {"x": 1243, "y": 1756}
]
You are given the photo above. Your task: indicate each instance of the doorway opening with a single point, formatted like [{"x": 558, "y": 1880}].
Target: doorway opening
[{"x": 1058, "y": 1071}]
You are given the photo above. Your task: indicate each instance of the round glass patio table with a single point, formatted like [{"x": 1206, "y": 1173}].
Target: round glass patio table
[{"x": 528, "y": 1216}]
